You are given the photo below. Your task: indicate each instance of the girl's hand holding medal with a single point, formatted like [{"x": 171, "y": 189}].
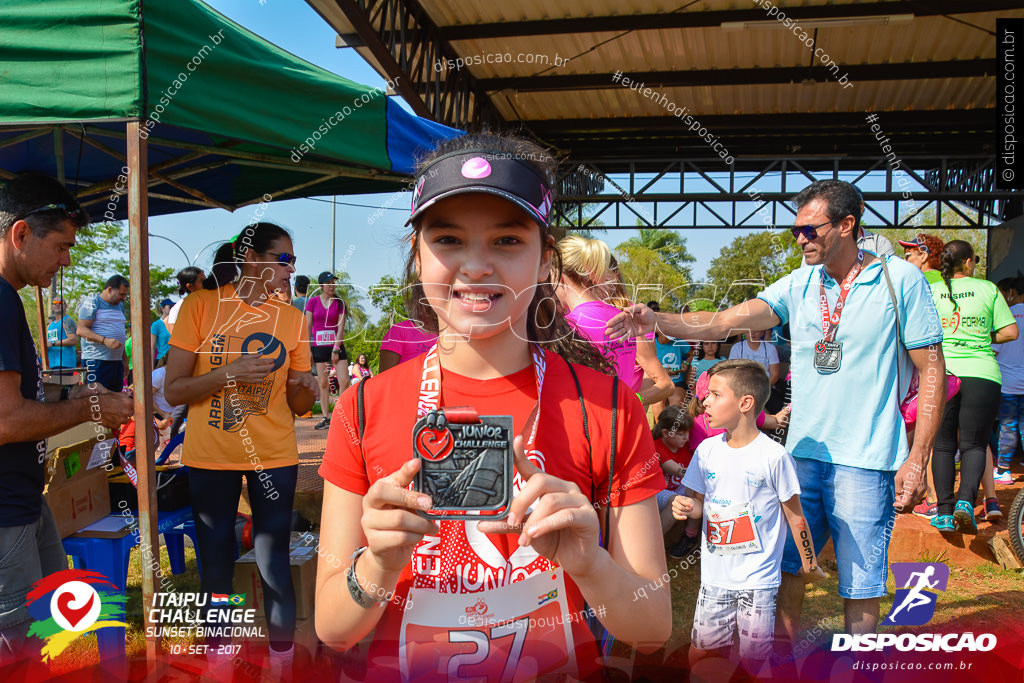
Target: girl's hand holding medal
[{"x": 390, "y": 520}]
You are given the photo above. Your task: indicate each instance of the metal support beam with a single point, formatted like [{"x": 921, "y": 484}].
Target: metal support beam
[
  {"x": 655, "y": 192},
  {"x": 142, "y": 361},
  {"x": 406, "y": 43},
  {"x": 678, "y": 20},
  {"x": 857, "y": 73}
]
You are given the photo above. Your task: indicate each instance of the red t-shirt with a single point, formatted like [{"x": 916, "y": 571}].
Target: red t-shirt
[
  {"x": 682, "y": 456},
  {"x": 454, "y": 562}
]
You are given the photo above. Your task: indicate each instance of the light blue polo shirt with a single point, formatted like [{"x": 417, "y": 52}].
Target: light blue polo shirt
[{"x": 852, "y": 417}]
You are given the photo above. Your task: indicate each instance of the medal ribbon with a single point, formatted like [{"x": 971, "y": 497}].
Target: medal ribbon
[
  {"x": 430, "y": 390},
  {"x": 830, "y": 323}
]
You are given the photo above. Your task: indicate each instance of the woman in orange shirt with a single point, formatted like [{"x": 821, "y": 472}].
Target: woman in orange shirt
[{"x": 239, "y": 358}]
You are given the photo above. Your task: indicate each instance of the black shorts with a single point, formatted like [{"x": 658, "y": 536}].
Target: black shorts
[{"x": 322, "y": 354}]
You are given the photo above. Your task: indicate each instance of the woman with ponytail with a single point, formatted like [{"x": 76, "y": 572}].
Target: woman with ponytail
[
  {"x": 239, "y": 359},
  {"x": 974, "y": 315},
  {"x": 484, "y": 264}
]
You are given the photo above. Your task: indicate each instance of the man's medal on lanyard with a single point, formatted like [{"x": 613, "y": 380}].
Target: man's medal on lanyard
[
  {"x": 466, "y": 459},
  {"x": 828, "y": 353}
]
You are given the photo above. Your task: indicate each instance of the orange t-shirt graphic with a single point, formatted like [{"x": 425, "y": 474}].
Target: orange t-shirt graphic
[
  {"x": 462, "y": 560},
  {"x": 242, "y": 424}
]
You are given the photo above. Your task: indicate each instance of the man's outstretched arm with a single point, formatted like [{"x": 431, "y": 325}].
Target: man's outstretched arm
[{"x": 753, "y": 314}]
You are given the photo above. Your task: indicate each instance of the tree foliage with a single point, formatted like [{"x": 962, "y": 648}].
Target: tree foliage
[
  {"x": 99, "y": 252},
  {"x": 925, "y": 222},
  {"x": 669, "y": 245},
  {"x": 655, "y": 266},
  {"x": 748, "y": 265},
  {"x": 386, "y": 295}
]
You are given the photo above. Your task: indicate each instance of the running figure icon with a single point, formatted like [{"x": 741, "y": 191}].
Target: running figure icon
[{"x": 915, "y": 597}]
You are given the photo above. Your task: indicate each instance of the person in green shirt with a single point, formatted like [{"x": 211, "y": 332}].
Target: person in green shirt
[{"x": 974, "y": 315}]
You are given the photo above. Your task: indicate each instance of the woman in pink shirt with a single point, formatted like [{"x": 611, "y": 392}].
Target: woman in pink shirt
[
  {"x": 404, "y": 340},
  {"x": 325, "y": 323},
  {"x": 586, "y": 268}
]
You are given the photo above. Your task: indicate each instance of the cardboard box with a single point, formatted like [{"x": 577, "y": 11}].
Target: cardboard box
[
  {"x": 303, "y": 557},
  {"x": 77, "y": 496}
]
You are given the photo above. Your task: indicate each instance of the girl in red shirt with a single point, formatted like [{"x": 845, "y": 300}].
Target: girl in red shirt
[{"x": 505, "y": 600}]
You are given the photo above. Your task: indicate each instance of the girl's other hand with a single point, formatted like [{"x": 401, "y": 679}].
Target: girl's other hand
[{"x": 563, "y": 526}]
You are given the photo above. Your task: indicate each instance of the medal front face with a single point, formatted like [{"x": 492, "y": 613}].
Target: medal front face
[
  {"x": 828, "y": 356},
  {"x": 466, "y": 468}
]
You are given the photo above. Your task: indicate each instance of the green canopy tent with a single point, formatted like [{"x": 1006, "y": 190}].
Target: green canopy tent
[{"x": 178, "y": 108}]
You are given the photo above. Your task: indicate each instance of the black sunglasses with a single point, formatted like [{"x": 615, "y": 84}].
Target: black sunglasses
[
  {"x": 68, "y": 213},
  {"x": 283, "y": 258},
  {"x": 808, "y": 231}
]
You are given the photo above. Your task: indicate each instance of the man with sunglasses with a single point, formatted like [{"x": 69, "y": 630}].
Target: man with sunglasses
[
  {"x": 850, "y": 370},
  {"x": 38, "y": 222}
]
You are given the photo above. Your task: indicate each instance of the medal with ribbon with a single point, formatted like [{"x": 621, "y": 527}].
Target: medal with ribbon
[
  {"x": 828, "y": 353},
  {"x": 466, "y": 458}
]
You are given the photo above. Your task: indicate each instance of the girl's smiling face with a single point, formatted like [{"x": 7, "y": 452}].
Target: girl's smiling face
[{"x": 480, "y": 258}]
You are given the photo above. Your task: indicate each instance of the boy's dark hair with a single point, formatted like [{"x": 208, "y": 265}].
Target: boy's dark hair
[
  {"x": 672, "y": 419},
  {"x": 31, "y": 191},
  {"x": 116, "y": 282},
  {"x": 745, "y": 377},
  {"x": 301, "y": 285},
  {"x": 841, "y": 198}
]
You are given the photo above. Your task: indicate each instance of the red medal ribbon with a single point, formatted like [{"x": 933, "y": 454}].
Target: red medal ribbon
[
  {"x": 830, "y": 323},
  {"x": 430, "y": 393}
]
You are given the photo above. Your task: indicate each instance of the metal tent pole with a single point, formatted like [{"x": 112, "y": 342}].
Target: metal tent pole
[{"x": 142, "y": 360}]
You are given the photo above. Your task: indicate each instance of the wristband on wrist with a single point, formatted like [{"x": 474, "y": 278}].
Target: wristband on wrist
[
  {"x": 360, "y": 596},
  {"x": 103, "y": 341}
]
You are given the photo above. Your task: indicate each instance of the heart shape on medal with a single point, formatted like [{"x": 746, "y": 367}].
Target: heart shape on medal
[
  {"x": 70, "y": 613},
  {"x": 820, "y": 347},
  {"x": 434, "y": 444}
]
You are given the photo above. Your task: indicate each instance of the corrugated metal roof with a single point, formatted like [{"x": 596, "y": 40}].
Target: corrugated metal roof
[{"x": 956, "y": 45}]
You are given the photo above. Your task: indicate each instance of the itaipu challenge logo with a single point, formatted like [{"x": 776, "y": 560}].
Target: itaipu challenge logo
[{"x": 69, "y": 604}]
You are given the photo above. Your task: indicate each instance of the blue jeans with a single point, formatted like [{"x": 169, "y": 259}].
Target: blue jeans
[
  {"x": 1011, "y": 422},
  {"x": 853, "y": 506},
  {"x": 27, "y": 554}
]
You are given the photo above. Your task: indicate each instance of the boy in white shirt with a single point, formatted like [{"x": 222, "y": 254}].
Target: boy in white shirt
[{"x": 744, "y": 484}]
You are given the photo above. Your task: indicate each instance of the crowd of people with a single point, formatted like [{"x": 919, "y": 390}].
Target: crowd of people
[{"x": 756, "y": 458}]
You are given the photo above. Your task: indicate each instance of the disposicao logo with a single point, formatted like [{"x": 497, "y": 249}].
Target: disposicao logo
[
  {"x": 914, "y": 604},
  {"x": 918, "y": 585},
  {"x": 71, "y": 603}
]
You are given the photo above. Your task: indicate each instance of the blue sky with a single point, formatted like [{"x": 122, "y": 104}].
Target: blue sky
[{"x": 366, "y": 254}]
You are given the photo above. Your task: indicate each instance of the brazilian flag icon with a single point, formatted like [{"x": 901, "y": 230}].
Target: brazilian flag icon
[{"x": 237, "y": 599}]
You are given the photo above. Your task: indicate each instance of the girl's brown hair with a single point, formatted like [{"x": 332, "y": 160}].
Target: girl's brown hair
[{"x": 546, "y": 324}]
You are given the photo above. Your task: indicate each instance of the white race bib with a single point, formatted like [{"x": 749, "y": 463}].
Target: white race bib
[
  {"x": 325, "y": 337},
  {"x": 731, "y": 529},
  {"x": 482, "y": 636}
]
